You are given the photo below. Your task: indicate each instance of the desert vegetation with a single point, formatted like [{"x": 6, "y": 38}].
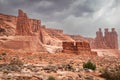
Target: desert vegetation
[
  {"x": 111, "y": 73},
  {"x": 89, "y": 65}
]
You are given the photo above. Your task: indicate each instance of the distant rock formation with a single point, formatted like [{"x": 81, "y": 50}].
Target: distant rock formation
[
  {"x": 23, "y": 26},
  {"x": 108, "y": 41}
]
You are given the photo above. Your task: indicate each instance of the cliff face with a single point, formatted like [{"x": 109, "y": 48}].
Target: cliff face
[
  {"x": 75, "y": 47},
  {"x": 23, "y": 26},
  {"x": 108, "y": 41},
  {"x": 26, "y": 33},
  {"x": 82, "y": 48},
  {"x": 7, "y": 25},
  {"x": 11, "y": 24}
]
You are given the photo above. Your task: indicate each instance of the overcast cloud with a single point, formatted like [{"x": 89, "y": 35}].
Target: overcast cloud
[{"x": 82, "y": 17}]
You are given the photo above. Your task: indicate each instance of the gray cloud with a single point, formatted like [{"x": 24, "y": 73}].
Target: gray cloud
[{"x": 82, "y": 17}]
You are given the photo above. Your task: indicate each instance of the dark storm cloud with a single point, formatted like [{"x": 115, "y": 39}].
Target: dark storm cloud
[
  {"x": 52, "y": 6},
  {"x": 48, "y": 9},
  {"x": 35, "y": 8},
  {"x": 11, "y": 6},
  {"x": 35, "y": 5},
  {"x": 74, "y": 16},
  {"x": 38, "y": 6}
]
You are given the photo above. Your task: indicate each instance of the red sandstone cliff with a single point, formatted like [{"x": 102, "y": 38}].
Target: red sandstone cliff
[
  {"x": 24, "y": 29},
  {"x": 7, "y": 27},
  {"x": 108, "y": 41},
  {"x": 23, "y": 26}
]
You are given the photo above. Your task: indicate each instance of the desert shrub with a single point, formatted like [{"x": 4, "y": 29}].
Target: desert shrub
[
  {"x": 16, "y": 61},
  {"x": 89, "y": 65},
  {"x": 51, "y": 78},
  {"x": 68, "y": 67},
  {"x": 111, "y": 73},
  {"x": 15, "y": 65},
  {"x": 4, "y": 54}
]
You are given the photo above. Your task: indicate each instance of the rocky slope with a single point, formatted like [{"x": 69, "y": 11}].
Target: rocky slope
[{"x": 39, "y": 66}]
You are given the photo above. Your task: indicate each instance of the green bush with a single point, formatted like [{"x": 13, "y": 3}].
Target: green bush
[
  {"x": 89, "y": 65},
  {"x": 111, "y": 73},
  {"x": 51, "y": 78}
]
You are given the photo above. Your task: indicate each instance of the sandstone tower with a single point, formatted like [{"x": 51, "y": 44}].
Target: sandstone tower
[
  {"x": 23, "y": 26},
  {"x": 108, "y": 41}
]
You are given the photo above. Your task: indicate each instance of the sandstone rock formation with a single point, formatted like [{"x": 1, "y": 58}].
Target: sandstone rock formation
[
  {"x": 8, "y": 18},
  {"x": 7, "y": 26},
  {"x": 77, "y": 48},
  {"x": 109, "y": 40},
  {"x": 99, "y": 40},
  {"x": 32, "y": 35},
  {"x": 23, "y": 27},
  {"x": 35, "y": 24}
]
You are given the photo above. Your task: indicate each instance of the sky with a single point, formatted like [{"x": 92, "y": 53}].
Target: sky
[{"x": 82, "y": 17}]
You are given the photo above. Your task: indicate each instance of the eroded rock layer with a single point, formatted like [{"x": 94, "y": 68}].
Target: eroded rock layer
[{"x": 77, "y": 48}]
